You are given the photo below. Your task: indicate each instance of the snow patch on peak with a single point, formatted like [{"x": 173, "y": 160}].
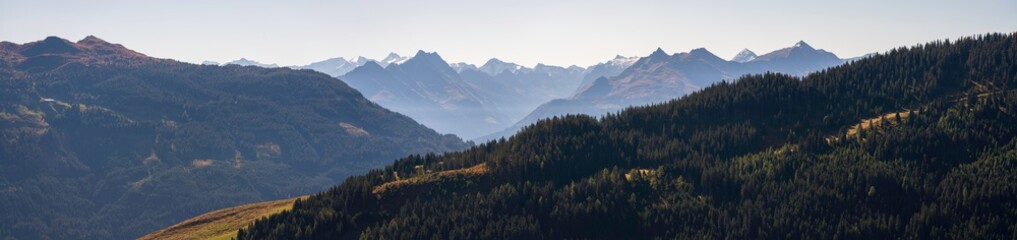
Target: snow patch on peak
[{"x": 802, "y": 44}]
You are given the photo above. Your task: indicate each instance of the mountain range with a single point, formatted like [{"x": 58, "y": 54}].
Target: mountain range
[
  {"x": 463, "y": 99},
  {"x": 247, "y": 62},
  {"x": 498, "y": 98},
  {"x": 102, "y": 142},
  {"x": 661, "y": 77},
  {"x": 334, "y": 67}
]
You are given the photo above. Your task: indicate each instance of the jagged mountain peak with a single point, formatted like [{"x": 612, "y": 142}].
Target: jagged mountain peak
[
  {"x": 703, "y": 54},
  {"x": 659, "y": 52},
  {"x": 656, "y": 56},
  {"x": 422, "y": 55}
]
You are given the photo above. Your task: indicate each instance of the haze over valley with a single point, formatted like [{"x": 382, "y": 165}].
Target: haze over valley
[{"x": 498, "y": 98}]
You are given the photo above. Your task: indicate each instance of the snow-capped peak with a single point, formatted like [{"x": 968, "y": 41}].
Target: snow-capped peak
[
  {"x": 802, "y": 44},
  {"x": 393, "y": 58},
  {"x": 658, "y": 55},
  {"x": 461, "y": 66},
  {"x": 620, "y": 60},
  {"x": 360, "y": 61},
  {"x": 744, "y": 56}
]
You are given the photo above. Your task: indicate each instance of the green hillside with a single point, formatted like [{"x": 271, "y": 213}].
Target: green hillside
[
  {"x": 764, "y": 157},
  {"x": 101, "y": 142}
]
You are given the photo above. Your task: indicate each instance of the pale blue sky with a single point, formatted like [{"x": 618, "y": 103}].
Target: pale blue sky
[{"x": 523, "y": 31}]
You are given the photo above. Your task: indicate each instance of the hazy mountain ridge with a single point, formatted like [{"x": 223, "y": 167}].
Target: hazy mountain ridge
[
  {"x": 334, "y": 67},
  {"x": 426, "y": 88},
  {"x": 660, "y": 77},
  {"x": 500, "y": 97},
  {"x": 247, "y": 62},
  {"x": 467, "y": 100}
]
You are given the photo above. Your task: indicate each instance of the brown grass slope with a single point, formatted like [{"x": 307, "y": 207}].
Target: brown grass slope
[
  {"x": 474, "y": 171},
  {"x": 223, "y": 223}
]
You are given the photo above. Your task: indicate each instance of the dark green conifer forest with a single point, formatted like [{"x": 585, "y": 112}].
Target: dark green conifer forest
[{"x": 916, "y": 142}]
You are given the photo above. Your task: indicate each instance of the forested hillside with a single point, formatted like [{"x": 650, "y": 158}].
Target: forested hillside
[
  {"x": 100, "y": 142},
  {"x": 767, "y": 156}
]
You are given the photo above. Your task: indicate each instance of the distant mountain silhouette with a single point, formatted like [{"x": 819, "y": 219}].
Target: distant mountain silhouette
[
  {"x": 333, "y": 66},
  {"x": 660, "y": 77},
  {"x": 461, "y": 66},
  {"x": 247, "y": 62},
  {"x": 427, "y": 89},
  {"x": 606, "y": 69},
  {"x": 799, "y": 60},
  {"x": 466, "y": 100},
  {"x": 494, "y": 67}
]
